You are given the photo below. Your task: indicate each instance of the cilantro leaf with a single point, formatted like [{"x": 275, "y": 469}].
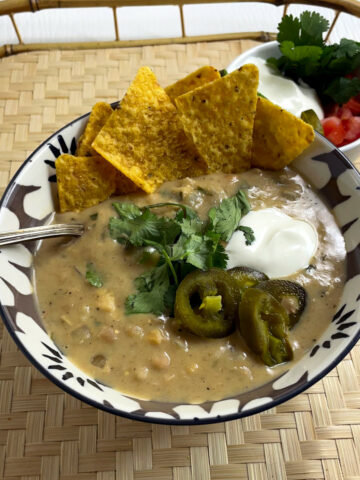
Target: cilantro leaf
[
  {"x": 92, "y": 276},
  {"x": 198, "y": 252},
  {"x": 346, "y": 47},
  {"x": 313, "y": 25},
  {"x": 179, "y": 249},
  {"x": 289, "y": 29},
  {"x": 171, "y": 230},
  {"x": 225, "y": 218},
  {"x": 135, "y": 231},
  {"x": 127, "y": 210},
  {"x": 146, "y": 302},
  {"x": 137, "y": 226},
  {"x": 152, "y": 287},
  {"x": 342, "y": 89},
  {"x": 306, "y": 30},
  {"x": 323, "y": 67},
  {"x": 341, "y": 59},
  {"x": 300, "y": 53},
  {"x": 248, "y": 234},
  {"x": 164, "y": 252},
  {"x": 190, "y": 226},
  {"x": 185, "y": 212},
  {"x": 145, "y": 282},
  {"x": 297, "y": 61},
  {"x": 218, "y": 257}
]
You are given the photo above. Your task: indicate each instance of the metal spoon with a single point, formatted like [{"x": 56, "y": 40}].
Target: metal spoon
[{"x": 37, "y": 233}]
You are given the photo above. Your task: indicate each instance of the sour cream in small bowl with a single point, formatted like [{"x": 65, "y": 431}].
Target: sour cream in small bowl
[{"x": 285, "y": 92}]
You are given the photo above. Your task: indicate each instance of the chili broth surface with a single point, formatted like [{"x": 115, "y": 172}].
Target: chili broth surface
[{"x": 151, "y": 357}]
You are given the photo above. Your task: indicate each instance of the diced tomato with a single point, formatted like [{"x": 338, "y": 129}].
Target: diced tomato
[
  {"x": 352, "y": 129},
  {"x": 345, "y": 113},
  {"x": 333, "y": 130},
  {"x": 340, "y": 112},
  {"x": 342, "y": 123},
  {"x": 353, "y": 105}
]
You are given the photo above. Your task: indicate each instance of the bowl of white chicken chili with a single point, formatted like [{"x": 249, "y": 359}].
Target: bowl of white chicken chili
[{"x": 86, "y": 312}]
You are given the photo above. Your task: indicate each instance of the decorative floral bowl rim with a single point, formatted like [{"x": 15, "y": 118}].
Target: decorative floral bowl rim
[
  {"x": 331, "y": 173},
  {"x": 271, "y": 49}
]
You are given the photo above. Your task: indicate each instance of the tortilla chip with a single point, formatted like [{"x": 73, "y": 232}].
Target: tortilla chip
[
  {"x": 100, "y": 112},
  {"x": 279, "y": 136},
  {"x": 144, "y": 138},
  {"x": 219, "y": 117},
  {"x": 195, "y": 79},
  {"x": 83, "y": 181}
]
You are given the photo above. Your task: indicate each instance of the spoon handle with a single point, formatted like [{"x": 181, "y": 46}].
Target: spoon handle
[{"x": 37, "y": 233}]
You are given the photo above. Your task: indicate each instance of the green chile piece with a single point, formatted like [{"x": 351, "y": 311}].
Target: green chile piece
[
  {"x": 291, "y": 295},
  {"x": 211, "y": 304},
  {"x": 310, "y": 117},
  {"x": 195, "y": 291},
  {"x": 263, "y": 324},
  {"x": 247, "y": 277}
]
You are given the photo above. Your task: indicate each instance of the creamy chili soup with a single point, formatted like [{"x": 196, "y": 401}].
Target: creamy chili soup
[{"x": 151, "y": 357}]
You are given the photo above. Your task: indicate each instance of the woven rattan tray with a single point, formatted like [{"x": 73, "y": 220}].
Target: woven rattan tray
[{"x": 46, "y": 434}]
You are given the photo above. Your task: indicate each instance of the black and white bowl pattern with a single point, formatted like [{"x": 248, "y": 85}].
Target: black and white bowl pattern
[{"x": 30, "y": 200}]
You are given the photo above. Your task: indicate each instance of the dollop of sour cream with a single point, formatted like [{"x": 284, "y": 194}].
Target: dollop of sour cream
[
  {"x": 285, "y": 92},
  {"x": 282, "y": 246}
]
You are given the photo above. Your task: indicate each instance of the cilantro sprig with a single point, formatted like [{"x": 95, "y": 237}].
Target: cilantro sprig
[
  {"x": 305, "y": 56},
  {"x": 182, "y": 244}
]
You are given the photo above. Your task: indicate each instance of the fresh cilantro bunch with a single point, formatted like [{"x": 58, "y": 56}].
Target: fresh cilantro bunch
[
  {"x": 324, "y": 67},
  {"x": 182, "y": 244}
]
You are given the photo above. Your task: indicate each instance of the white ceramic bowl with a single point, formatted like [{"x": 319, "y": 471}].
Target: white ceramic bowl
[
  {"x": 30, "y": 200},
  {"x": 271, "y": 49}
]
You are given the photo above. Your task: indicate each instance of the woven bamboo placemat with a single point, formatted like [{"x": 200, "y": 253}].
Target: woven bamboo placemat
[{"x": 49, "y": 435}]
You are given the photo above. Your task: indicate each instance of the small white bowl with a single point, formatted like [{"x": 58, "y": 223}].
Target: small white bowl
[{"x": 271, "y": 49}]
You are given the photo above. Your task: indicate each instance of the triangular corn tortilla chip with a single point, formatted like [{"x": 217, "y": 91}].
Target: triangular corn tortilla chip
[
  {"x": 100, "y": 112},
  {"x": 195, "y": 79},
  {"x": 219, "y": 117},
  {"x": 279, "y": 137},
  {"x": 144, "y": 138},
  {"x": 83, "y": 181}
]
